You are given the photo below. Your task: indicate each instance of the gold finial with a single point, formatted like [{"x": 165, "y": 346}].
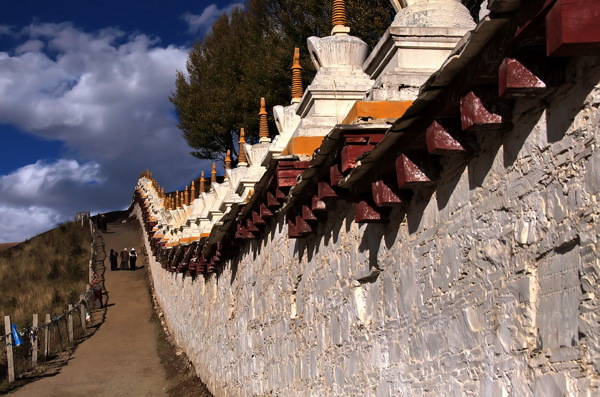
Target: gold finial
[
  {"x": 264, "y": 126},
  {"x": 177, "y": 200},
  {"x": 213, "y": 173},
  {"x": 297, "y": 90},
  {"x": 202, "y": 188},
  {"x": 193, "y": 192},
  {"x": 186, "y": 195},
  {"x": 242, "y": 161},
  {"x": 228, "y": 160},
  {"x": 338, "y": 16}
]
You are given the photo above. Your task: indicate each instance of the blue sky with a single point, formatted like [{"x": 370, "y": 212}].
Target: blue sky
[{"x": 84, "y": 104}]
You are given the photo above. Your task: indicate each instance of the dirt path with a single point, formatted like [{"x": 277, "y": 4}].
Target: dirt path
[{"x": 121, "y": 358}]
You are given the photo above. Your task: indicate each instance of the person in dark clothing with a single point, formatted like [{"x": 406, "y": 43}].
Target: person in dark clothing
[
  {"x": 102, "y": 224},
  {"x": 124, "y": 259},
  {"x": 96, "y": 286},
  {"x": 132, "y": 259},
  {"x": 114, "y": 258}
]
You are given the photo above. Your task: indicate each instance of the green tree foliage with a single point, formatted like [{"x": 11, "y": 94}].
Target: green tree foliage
[{"x": 247, "y": 55}]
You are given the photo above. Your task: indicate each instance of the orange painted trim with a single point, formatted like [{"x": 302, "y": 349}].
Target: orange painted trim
[
  {"x": 188, "y": 240},
  {"x": 376, "y": 110},
  {"x": 303, "y": 145},
  {"x": 204, "y": 235}
]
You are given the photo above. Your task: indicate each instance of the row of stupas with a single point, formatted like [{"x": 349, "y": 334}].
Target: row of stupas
[{"x": 351, "y": 86}]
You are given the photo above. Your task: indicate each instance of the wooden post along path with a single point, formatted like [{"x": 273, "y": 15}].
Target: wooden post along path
[
  {"x": 34, "y": 342},
  {"x": 70, "y": 323},
  {"x": 9, "y": 349},
  {"x": 47, "y": 336},
  {"x": 82, "y": 313}
]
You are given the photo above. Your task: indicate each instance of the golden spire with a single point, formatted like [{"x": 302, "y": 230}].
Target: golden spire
[
  {"x": 186, "y": 195},
  {"x": 213, "y": 174},
  {"x": 242, "y": 161},
  {"x": 202, "y": 188},
  {"x": 228, "y": 160},
  {"x": 338, "y": 18},
  {"x": 177, "y": 200},
  {"x": 297, "y": 90},
  {"x": 193, "y": 192},
  {"x": 264, "y": 126}
]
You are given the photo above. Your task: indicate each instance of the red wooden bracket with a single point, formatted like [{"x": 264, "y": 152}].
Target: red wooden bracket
[
  {"x": 409, "y": 174},
  {"x": 257, "y": 219},
  {"x": 335, "y": 176},
  {"x": 481, "y": 111},
  {"x": 302, "y": 227},
  {"x": 307, "y": 214},
  {"x": 264, "y": 211},
  {"x": 272, "y": 202},
  {"x": 288, "y": 172},
  {"x": 366, "y": 213},
  {"x": 515, "y": 79},
  {"x": 383, "y": 195},
  {"x": 325, "y": 191},
  {"x": 243, "y": 233},
  {"x": 280, "y": 195},
  {"x": 573, "y": 28},
  {"x": 439, "y": 140},
  {"x": 292, "y": 230},
  {"x": 287, "y": 178},
  {"x": 302, "y": 165},
  {"x": 317, "y": 205},
  {"x": 349, "y": 155},
  {"x": 250, "y": 226}
]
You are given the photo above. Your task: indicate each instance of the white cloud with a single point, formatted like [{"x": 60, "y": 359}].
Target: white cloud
[
  {"x": 21, "y": 223},
  {"x": 105, "y": 96},
  {"x": 203, "y": 22},
  {"x": 33, "y": 181}
]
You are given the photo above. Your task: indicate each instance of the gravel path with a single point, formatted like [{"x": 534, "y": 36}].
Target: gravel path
[{"x": 120, "y": 359}]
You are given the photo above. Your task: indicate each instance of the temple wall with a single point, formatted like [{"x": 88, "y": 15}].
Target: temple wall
[{"x": 485, "y": 285}]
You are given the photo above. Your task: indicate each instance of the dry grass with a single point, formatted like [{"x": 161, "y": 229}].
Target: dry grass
[
  {"x": 44, "y": 274},
  {"x": 5, "y": 246}
]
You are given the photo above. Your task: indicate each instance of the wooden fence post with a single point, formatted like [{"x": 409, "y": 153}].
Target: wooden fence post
[
  {"x": 9, "y": 350},
  {"x": 47, "y": 336},
  {"x": 82, "y": 312},
  {"x": 70, "y": 323},
  {"x": 34, "y": 342}
]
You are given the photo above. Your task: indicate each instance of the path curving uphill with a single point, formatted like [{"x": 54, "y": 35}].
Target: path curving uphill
[{"x": 121, "y": 358}]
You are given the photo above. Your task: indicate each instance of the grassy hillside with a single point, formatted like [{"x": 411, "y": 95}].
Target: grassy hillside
[{"x": 45, "y": 273}]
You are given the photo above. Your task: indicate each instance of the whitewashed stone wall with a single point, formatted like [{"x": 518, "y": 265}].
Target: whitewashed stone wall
[{"x": 486, "y": 286}]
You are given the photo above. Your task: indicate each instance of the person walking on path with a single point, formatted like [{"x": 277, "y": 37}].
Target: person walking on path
[
  {"x": 114, "y": 258},
  {"x": 124, "y": 259},
  {"x": 97, "y": 290},
  {"x": 132, "y": 259}
]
